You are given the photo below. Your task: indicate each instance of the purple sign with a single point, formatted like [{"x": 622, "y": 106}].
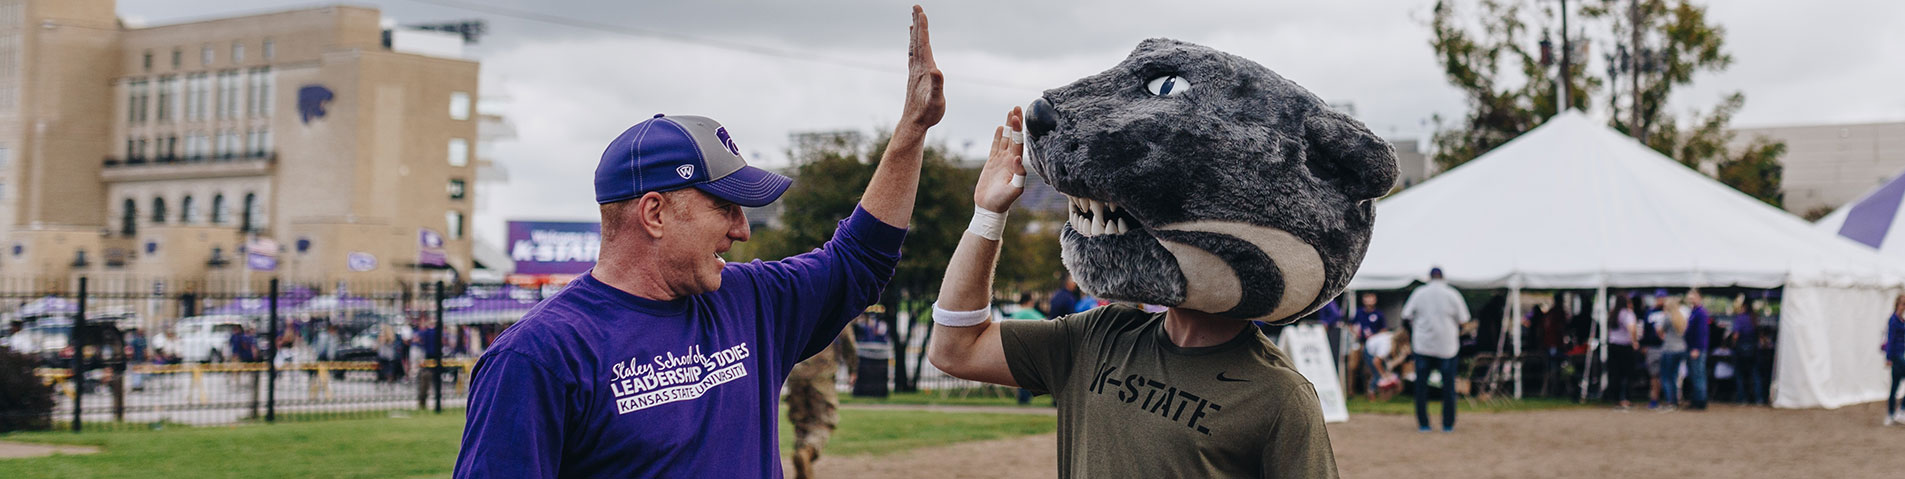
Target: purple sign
[
  {"x": 261, "y": 262},
  {"x": 554, "y": 247},
  {"x": 261, "y": 254},
  {"x": 430, "y": 248}
]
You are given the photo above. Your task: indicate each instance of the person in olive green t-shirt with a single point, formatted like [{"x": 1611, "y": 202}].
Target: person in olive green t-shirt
[{"x": 1178, "y": 393}]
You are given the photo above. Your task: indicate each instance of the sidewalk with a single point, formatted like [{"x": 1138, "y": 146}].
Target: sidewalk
[{"x": 17, "y": 450}]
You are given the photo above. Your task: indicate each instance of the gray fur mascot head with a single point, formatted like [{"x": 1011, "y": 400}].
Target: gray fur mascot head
[{"x": 1202, "y": 180}]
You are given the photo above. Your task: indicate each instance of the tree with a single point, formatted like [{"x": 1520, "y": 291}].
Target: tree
[
  {"x": 1652, "y": 48},
  {"x": 831, "y": 172}
]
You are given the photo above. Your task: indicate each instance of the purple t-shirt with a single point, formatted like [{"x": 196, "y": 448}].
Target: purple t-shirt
[{"x": 596, "y": 382}]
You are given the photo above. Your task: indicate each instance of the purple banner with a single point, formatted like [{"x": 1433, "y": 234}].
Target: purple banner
[
  {"x": 1872, "y": 217},
  {"x": 554, "y": 247},
  {"x": 430, "y": 248},
  {"x": 261, "y": 254}
]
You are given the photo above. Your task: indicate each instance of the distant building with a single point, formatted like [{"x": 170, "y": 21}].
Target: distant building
[
  {"x": 1415, "y": 165},
  {"x": 157, "y": 152},
  {"x": 1827, "y": 166}
]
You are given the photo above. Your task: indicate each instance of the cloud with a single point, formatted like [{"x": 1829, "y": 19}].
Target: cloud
[{"x": 571, "y": 89}]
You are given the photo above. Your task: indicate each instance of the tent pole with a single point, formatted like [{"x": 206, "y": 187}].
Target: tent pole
[
  {"x": 1347, "y": 327},
  {"x": 1606, "y": 317},
  {"x": 1597, "y": 343},
  {"x": 1514, "y": 298}
]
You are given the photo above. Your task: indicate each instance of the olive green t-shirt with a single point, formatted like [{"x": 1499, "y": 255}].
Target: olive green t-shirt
[{"x": 1133, "y": 404}]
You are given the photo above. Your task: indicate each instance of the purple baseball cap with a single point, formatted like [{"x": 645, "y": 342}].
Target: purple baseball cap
[{"x": 668, "y": 153}]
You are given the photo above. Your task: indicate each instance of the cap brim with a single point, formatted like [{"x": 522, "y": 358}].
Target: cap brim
[{"x": 748, "y": 186}]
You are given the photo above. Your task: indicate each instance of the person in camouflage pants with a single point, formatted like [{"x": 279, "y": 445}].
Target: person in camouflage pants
[{"x": 811, "y": 401}]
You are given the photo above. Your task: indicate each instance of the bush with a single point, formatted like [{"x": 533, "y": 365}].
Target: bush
[{"x": 26, "y": 403}]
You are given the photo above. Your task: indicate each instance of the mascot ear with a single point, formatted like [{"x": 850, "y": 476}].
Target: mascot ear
[{"x": 1344, "y": 152}]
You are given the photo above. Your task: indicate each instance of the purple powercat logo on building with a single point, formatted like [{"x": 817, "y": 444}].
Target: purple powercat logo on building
[{"x": 311, "y": 102}]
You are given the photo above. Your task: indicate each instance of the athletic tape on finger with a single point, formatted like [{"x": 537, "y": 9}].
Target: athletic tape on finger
[
  {"x": 1018, "y": 181},
  {"x": 1018, "y": 137}
]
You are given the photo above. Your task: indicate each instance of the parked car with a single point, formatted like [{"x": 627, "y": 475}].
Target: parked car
[
  {"x": 49, "y": 339},
  {"x": 201, "y": 339}
]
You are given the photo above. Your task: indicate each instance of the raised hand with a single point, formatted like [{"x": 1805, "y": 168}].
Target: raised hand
[
  {"x": 925, "y": 85},
  {"x": 996, "y": 190}
]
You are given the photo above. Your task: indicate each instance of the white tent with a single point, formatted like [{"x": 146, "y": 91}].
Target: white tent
[{"x": 1576, "y": 205}]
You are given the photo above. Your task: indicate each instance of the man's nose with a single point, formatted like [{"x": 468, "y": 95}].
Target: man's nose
[{"x": 740, "y": 231}]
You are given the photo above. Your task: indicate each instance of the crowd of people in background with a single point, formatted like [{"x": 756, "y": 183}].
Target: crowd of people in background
[{"x": 1670, "y": 350}]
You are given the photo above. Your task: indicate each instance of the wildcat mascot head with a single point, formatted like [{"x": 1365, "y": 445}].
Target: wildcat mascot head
[{"x": 1202, "y": 180}]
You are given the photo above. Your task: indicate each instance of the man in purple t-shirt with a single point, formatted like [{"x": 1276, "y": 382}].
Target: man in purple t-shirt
[
  {"x": 664, "y": 360},
  {"x": 1698, "y": 332}
]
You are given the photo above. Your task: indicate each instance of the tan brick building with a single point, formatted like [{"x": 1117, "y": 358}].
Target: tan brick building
[{"x": 158, "y": 151}]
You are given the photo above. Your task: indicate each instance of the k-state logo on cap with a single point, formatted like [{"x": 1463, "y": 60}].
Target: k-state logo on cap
[
  {"x": 686, "y": 171},
  {"x": 727, "y": 141}
]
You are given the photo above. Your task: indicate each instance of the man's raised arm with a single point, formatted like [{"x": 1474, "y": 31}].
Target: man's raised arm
[
  {"x": 895, "y": 184},
  {"x": 975, "y": 351}
]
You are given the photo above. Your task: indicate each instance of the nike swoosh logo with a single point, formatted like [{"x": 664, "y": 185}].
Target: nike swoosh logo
[{"x": 1220, "y": 377}]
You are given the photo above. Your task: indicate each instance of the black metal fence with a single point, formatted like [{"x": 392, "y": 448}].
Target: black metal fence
[{"x": 125, "y": 353}]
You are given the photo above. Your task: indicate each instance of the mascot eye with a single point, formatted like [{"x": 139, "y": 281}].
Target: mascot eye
[{"x": 1168, "y": 85}]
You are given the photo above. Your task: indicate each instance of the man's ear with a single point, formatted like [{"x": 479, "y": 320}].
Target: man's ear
[
  {"x": 650, "y": 213},
  {"x": 1344, "y": 152}
]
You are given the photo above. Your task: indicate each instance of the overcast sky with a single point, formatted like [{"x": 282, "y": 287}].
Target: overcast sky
[{"x": 769, "y": 68}]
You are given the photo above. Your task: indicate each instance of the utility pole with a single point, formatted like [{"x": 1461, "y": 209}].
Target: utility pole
[{"x": 1567, "y": 55}]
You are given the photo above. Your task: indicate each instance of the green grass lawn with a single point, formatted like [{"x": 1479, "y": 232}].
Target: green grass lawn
[
  {"x": 981, "y": 396},
  {"x": 423, "y": 445},
  {"x": 1403, "y": 404}
]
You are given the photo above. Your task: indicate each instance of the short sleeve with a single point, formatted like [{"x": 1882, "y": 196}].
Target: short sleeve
[
  {"x": 1041, "y": 353},
  {"x": 515, "y": 421},
  {"x": 1299, "y": 444}
]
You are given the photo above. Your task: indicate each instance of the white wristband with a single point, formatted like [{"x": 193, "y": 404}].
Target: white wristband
[
  {"x": 986, "y": 223},
  {"x": 960, "y": 319}
]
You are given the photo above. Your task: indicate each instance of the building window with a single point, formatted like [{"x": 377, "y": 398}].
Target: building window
[
  {"x": 136, "y": 104},
  {"x": 254, "y": 218},
  {"x": 165, "y": 104},
  {"x": 197, "y": 146},
  {"x": 177, "y": 58},
  {"x": 238, "y": 52},
  {"x": 129, "y": 217},
  {"x": 219, "y": 211},
  {"x": 271, "y": 49},
  {"x": 169, "y": 149},
  {"x": 258, "y": 143},
  {"x": 230, "y": 142},
  {"x": 188, "y": 211},
  {"x": 6, "y": 156},
  {"x": 205, "y": 55},
  {"x": 131, "y": 148},
  {"x": 457, "y": 188},
  {"x": 259, "y": 96},
  {"x": 10, "y": 68},
  {"x": 140, "y": 151},
  {"x": 197, "y": 95},
  {"x": 228, "y": 94},
  {"x": 459, "y": 152},
  {"x": 158, "y": 210},
  {"x": 459, "y": 105},
  {"x": 455, "y": 223},
  {"x": 148, "y": 61}
]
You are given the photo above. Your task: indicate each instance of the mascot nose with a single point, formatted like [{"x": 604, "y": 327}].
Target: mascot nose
[{"x": 1040, "y": 118}]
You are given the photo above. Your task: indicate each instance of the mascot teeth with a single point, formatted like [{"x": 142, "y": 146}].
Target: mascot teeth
[{"x": 1091, "y": 217}]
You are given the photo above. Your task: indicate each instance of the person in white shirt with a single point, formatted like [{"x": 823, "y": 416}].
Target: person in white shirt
[{"x": 1438, "y": 313}]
